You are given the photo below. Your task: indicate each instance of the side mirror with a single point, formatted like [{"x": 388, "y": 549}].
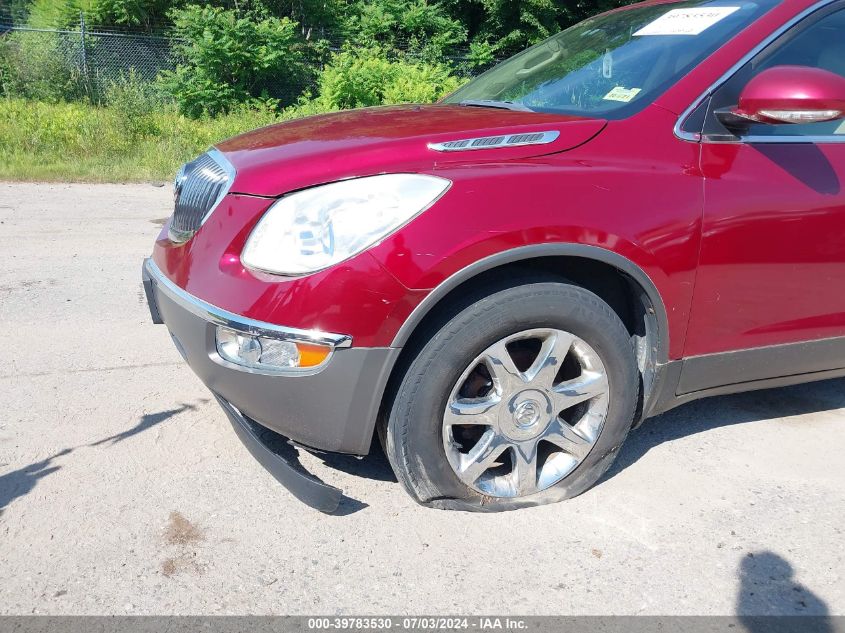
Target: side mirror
[{"x": 788, "y": 94}]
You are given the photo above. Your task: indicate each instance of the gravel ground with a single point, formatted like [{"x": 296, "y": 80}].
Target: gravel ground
[{"x": 123, "y": 489}]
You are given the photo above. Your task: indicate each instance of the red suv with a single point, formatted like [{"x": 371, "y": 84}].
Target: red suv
[{"x": 644, "y": 209}]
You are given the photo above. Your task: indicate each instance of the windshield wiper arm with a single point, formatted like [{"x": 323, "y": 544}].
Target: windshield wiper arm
[{"x": 490, "y": 103}]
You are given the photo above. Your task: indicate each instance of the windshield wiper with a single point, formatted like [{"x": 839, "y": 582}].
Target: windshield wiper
[{"x": 490, "y": 103}]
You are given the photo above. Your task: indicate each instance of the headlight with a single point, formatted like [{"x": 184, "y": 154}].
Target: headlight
[{"x": 320, "y": 227}]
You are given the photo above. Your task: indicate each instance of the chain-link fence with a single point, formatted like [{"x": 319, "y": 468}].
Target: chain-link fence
[
  {"x": 85, "y": 61},
  {"x": 112, "y": 55}
]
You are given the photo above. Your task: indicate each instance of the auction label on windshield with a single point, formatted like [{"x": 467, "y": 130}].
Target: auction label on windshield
[{"x": 686, "y": 21}]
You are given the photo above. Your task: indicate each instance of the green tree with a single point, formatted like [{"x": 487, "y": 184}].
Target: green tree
[
  {"x": 508, "y": 26},
  {"x": 229, "y": 59},
  {"x": 17, "y": 10},
  {"x": 144, "y": 14},
  {"x": 52, "y": 14},
  {"x": 317, "y": 18},
  {"x": 363, "y": 77},
  {"x": 416, "y": 26},
  {"x": 512, "y": 25}
]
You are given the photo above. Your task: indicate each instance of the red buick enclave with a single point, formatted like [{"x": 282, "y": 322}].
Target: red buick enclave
[{"x": 644, "y": 209}]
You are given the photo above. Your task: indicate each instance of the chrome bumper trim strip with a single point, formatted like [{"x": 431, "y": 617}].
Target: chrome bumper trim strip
[{"x": 222, "y": 317}]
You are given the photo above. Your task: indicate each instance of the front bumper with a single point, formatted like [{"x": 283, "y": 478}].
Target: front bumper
[
  {"x": 333, "y": 408},
  {"x": 281, "y": 460}
]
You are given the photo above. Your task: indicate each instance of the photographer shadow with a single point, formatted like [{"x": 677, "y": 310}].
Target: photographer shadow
[
  {"x": 719, "y": 411},
  {"x": 769, "y": 598}
]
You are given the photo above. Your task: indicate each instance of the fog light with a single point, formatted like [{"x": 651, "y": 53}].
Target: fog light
[{"x": 265, "y": 353}]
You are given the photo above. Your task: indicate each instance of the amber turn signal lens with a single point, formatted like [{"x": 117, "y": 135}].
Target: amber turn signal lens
[{"x": 312, "y": 355}]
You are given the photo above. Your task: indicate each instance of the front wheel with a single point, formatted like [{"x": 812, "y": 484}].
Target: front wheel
[{"x": 523, "y": 398}]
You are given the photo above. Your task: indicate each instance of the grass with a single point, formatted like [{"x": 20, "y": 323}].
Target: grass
[{"x": 77, "y": 142}]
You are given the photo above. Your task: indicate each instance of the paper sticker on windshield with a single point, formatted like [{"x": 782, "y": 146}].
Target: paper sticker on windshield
[
  {"x": 622, "y": 94},
  {"x": 686, "y": 21}
]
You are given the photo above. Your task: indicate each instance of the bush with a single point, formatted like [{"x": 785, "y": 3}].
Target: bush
[
  {"x": 231, "y": 60},
  {"x": 39, "y": 66},
  {"x": 354, "y": 79},
  {"x": 127, "y": 12},
  {"x": 135, "y": 102},
  {"x": 481, "y": 55},
  {"x": 420, "y": 83},
  {"x": 366, "y": 77}
]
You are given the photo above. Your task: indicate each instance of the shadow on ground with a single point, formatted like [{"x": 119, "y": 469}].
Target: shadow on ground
[
  {"x": 19, "y": 483},
  {"x": 689, "y": 419},
  {"x": 711, "y": 413},
  {"x": 373, "y": 466},
  {"x": 768, "y": 591},
  {"x": 695, "y": 417},
  {"x": 147, "y": 421}
]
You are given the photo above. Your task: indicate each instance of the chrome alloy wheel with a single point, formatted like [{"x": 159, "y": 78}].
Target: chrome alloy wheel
[{"x": 525, "y": 413}]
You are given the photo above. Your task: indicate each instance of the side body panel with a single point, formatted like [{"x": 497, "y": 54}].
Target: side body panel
[
  {"x": 773, "y": 244},
  {"x": 773, "y": 250}
]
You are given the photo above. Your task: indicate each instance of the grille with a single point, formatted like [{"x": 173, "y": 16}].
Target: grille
[{"x": 199, "y": 187}]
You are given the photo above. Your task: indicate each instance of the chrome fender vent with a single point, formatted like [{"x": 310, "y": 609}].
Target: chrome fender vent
[{"x": 496, "y": 142}]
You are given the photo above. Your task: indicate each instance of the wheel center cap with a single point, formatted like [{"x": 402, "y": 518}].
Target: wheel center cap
[{"x": 527, "y": 414}]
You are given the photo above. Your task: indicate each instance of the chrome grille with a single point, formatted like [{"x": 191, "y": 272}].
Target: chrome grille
[{"x": 198, "y": 188}]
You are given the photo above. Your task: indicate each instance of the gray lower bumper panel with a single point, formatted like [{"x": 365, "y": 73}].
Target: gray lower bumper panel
[
  {"x": 282, "y": 462},
  {"x": 333, "y": 409}
]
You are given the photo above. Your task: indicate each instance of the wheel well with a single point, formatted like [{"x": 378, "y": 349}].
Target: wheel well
[{"x": 625, "y": 295}]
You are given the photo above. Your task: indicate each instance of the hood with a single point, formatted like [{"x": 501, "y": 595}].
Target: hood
[{"x": 288, "y": 156}]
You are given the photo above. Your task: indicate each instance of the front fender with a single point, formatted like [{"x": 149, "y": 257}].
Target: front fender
[
  {"x": 533, "y": 251},
  {"x": 555, "y": 206}
]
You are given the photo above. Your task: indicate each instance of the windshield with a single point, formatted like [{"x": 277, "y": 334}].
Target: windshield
[{"x": 613, "y": 65}]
